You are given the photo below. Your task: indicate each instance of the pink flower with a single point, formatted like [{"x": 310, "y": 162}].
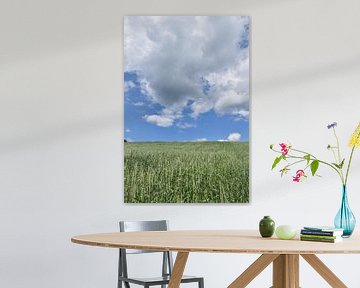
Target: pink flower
[
  {"x": 284, "y": 148},
  {"x": 300, "y": 174}
]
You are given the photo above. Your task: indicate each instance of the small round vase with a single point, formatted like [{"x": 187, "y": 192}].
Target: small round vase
[
  {"x": 266, "y": 227},
  {"x": 345, "y": 219}
]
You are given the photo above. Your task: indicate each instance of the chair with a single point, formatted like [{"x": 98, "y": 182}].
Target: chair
[{"x": 167, "y": 262}]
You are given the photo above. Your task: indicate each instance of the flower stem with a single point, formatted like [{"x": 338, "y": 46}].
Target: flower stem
[
  {"x": 338, "y": 171},
  {"x": 348, "y": 168},
  {"x": 296, "y": 162},
  {"x": 311, "y": 159},
  {"x": 337, "y": 144},
  {"x": 304, "y": 152}
]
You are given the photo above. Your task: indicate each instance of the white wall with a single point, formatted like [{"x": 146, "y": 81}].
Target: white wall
[{"x": 61, "y": 125}]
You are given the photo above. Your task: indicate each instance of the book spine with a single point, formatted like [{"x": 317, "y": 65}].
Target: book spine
[
  {"x": 320, "y": 233},
  {"x": 319, "y": 236},
  {"x": 317, "y": 239}
]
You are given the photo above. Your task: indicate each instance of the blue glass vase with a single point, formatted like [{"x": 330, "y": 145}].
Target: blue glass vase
[{"x": 345, "y": 219}]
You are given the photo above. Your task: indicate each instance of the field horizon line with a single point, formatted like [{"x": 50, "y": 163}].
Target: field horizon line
[{"x": 187, "y": 141}]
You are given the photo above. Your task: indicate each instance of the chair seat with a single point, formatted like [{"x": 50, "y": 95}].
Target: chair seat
[{"x": 158, "y": 280}]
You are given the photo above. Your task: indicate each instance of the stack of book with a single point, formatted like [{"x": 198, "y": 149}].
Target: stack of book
[{"x": 321, "y": 234}]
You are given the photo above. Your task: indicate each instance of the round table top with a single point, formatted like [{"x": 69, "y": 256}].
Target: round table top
[{"x": 219, "y": 241}]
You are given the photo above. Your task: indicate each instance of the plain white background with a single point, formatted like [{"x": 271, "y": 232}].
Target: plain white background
[{"x": 61, "y": 129}]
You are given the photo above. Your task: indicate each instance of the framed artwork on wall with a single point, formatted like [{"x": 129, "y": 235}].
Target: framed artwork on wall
[{"x": 186, "y": 109}]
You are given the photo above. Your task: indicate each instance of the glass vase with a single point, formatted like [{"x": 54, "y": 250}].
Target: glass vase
[{"x": 345, "y": 219}]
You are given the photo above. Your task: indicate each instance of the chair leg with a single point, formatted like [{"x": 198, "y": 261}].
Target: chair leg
[{"x": 201, "y": 283}]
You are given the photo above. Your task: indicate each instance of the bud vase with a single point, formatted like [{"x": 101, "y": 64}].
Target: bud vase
[
  {"x": 345, "y": 219},
  {"x": 266, "y": 227}
]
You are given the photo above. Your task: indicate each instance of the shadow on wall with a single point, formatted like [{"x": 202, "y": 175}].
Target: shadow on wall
[
  {"x": 86, "y": 22},
  {"x": 55, "y": 134},
  {"x": 309, "y": 75}
]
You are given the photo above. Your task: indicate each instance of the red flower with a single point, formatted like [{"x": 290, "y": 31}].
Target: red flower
[
  {"x": 300, "y": 174},
  {"x": 284, "y": 148}
]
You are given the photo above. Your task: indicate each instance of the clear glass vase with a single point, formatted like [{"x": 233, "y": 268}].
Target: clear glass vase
[{"x": 345, "y": 219}]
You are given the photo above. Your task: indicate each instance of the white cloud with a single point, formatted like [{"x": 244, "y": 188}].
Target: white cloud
[
  {"x": 166, "y": 118},
  {"x": 128, "y": 85},
  {"x": 234, "y": 137},
  {"x": 139, "y": 104},
  {"x": 127, "y": 130},
  {"x": 159, "y": 120},
  {"x": 200, "y": 140},
  {"x": 193, "y": 63},
  {"x": 242, "y": 114},
  {"x": 185, "y": 125}
]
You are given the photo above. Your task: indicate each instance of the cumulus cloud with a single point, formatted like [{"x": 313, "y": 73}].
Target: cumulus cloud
[
  {"x": 242, "y": 114},
  {"x": 193, "y": 64},
  {"x": 159, "y": 120},
  {"x": 233, "y": 137},
  {"x": 165, "y": 119}
]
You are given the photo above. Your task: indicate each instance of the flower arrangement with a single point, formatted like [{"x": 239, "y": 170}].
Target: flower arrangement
[{"x": 293, "y": 156}]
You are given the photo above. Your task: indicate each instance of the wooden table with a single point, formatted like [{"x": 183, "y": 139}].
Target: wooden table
[{"x": 284, "y": 254}]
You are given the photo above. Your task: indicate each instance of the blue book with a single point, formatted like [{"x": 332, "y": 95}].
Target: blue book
[{"x": 322, "y": 231}]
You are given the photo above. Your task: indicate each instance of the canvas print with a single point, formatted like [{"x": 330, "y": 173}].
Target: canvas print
[{"x": 186, "y": 104}]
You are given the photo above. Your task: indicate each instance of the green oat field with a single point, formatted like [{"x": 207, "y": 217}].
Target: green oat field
[{"x": 186, "y": 172}]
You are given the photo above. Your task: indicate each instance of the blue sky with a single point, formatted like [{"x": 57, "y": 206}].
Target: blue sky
[{"x": 186, "y": 78}]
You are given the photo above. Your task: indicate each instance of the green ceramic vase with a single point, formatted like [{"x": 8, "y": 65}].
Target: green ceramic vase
[{"x": 267, "y": 227}]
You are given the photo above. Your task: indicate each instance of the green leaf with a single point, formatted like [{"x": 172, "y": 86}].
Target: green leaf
[
  {"x": 342, "y": 163},
  {"x": 307, "y": 157},
  {"x": 336, "y": 165},
  {"x": 339, "y": 166},
  {"x": 314, "y": 166},
  {"x": 284, "y": 170},
  {"x": 276, "y": 162},
  {"x": 271, "y": 146}
]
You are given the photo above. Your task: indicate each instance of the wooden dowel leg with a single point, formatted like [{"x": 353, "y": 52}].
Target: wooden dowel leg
[
  {"x": 286, "y": 271},
  {"x": 324, "y": 271},
  {"x": 293, "y": 270},
  {"x": 178, "y": 269},
  {"x": 253, "y": 270}
]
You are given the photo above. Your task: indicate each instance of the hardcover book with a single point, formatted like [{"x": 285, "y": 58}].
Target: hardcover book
[
  {"x": 319, "y": 237},
  {"x": 323, "y": 228},
  {"x": 321, "y": 233},
  {"x": 325, "y": 240}
]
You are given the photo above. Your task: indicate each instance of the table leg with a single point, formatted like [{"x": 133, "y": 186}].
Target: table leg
[
  {"x": 324, "y": 271},
  {"x": 178, "y": 269},
  {"x": 286, "y": 271},
  {"x": 253, "y": 270}
]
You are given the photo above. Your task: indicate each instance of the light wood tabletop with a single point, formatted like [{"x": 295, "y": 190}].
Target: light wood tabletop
[
  {"x": 221, "y": 241},
  {"x": 284, "y": 254}
]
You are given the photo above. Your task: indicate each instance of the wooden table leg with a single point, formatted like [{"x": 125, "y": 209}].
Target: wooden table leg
[
  {"x": 178, "y": 269},
  {"x": 324, "y": 271},
  {"x": 286, "y": 271},
  {"x": 253, "y": 270}
]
